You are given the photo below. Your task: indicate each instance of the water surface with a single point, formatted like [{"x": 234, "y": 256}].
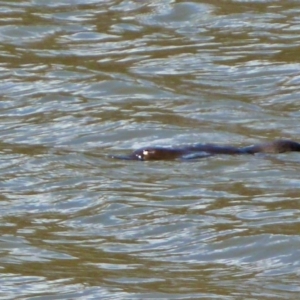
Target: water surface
[{"x": 83, "y": 80}]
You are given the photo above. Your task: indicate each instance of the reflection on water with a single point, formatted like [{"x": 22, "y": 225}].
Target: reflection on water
[{"x": 82, "y": 81}]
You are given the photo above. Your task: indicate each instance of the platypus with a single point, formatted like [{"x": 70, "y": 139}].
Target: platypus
[{"x": 205, "y": 150}]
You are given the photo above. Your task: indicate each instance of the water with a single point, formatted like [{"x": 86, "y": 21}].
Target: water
[{"x": 81, "y": 80}]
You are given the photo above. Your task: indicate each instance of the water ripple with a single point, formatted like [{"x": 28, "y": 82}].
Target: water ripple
[{"x": 85, "y": 80}]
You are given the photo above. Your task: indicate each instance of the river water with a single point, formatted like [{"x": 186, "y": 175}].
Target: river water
[{"x": 84, "y": 79}]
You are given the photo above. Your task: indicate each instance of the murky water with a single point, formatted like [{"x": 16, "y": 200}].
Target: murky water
[{"x": 81, "y": 80}]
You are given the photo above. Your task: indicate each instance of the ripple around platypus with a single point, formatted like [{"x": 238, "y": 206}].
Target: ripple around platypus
[{"x": 205, "y": 150}]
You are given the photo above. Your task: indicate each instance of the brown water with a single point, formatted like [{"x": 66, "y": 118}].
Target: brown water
[{"x": 81, "y": 80}]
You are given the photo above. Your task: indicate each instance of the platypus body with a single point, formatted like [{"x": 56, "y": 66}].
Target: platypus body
[{"x": 205, "y": 150}]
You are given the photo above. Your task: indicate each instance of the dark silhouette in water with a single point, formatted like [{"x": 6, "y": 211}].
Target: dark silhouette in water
[{"x": 205, "y": 150}]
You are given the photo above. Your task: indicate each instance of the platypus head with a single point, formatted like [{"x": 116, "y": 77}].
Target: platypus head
[{"x": 156, "y": 153}]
